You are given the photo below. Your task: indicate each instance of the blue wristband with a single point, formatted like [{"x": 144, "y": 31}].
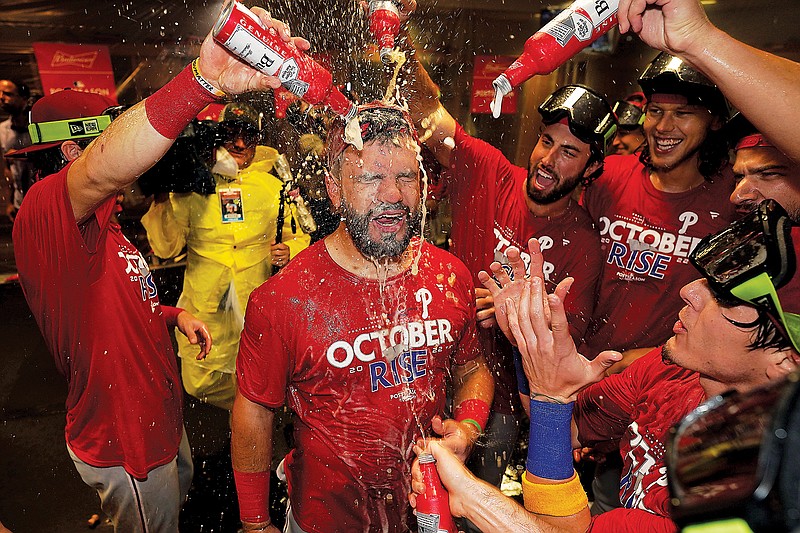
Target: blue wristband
[
  {"x": 522, "y": 379},
  {"x": 550, "y": 442}
]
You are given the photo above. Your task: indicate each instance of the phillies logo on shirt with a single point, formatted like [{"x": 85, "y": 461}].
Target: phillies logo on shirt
[
  {"x": 644, "y": 474},
  {"x": 545, "y": 242},
  {"x": 641, "y": 249},
  {"x": 136, "y": 267}
]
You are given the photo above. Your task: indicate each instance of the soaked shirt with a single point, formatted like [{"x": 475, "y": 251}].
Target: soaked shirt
[
  {"x": 637, "y": 408},
  {"x": 364, "y": 365},
  {"x": 96, "y": 303},
  {"x": 647, "y": 235}
]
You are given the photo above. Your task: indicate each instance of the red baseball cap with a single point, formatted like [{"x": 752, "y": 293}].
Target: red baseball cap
[{"x": 63, "y": 105}]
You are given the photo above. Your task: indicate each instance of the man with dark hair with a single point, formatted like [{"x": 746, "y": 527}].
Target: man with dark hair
[
  {"x": 18, "y": 173},
  {"x": 762, "y": 171},
  {"x": 94, "y": 298},
  {"x": 654, "y": 207},
  {"x": 230, "y": 239},
  {"x": 360, "y": 334}
]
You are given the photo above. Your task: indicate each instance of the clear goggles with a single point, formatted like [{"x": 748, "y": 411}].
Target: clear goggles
[
  {"x": 629, "y": 116},
  {"x": 667, "y": 67},
  {"x": 588, "y": 115},
  {"x": 732, "y": 463},
  {"x": 749, "y": 260}
]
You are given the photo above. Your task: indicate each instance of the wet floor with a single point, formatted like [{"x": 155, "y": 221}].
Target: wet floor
[{"x": 39, "y": 487}]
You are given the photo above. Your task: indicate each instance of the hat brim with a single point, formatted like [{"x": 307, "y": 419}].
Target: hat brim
[{"x": 23, "y": 152}]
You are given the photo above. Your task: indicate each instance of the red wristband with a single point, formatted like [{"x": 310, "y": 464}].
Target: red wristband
[
  {"x": 472, "y": 411},
  {"x": 171, "y": 108},
  {"x": 252, "y": 489},
  {"x": 171, "y": 314}
]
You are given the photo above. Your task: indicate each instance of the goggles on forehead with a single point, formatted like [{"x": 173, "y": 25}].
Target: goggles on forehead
[
  {"x": 668, "y": 67},
  {"x": 629, "y": 116},
  {"x": 731, "y": 463},
  {"x": 749, "y": 260},
  {"x": 588, "y": 115}
]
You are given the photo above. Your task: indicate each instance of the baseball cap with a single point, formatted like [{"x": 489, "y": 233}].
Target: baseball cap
[{"x": 63, "y": 116}]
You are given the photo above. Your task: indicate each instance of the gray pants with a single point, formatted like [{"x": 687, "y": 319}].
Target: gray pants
[{"x": 142, "y": 506}]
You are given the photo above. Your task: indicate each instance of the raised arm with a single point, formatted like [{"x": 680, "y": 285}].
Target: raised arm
[
  {"x": 436, "y": 126},
  {"x": 761, "y": 85},
  {"x": 140, "y": 137}
]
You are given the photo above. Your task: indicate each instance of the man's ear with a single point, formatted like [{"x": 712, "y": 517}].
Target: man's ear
[
  {"x": 334, "y": 186},
  {"x": 592, "y": 168},
  {"x": 71, "y": 150},
  {"x": 783, "y": 362}
]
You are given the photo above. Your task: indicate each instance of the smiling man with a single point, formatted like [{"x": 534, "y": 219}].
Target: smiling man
[
  {"x": 360, "y": 335},
  {"x": 653, "y": 208}
]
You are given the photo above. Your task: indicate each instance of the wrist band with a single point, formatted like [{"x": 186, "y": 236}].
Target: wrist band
[
  {"x": 219, "y": 94},
  {"x": 171, "y": 108},
  {"x": 550, "y": 441},
  {"x": 252, "y": 488},
  {"x": 472, "y": 411},
  {"x": 560, "y": 499}
]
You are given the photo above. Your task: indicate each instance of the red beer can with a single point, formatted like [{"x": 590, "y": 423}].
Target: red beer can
[{"x": 242, "y": 33}]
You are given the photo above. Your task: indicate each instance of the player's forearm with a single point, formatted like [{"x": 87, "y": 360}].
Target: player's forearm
[
  {"x": 761, "y": 85},
  {"x": 251, "y": 436},
  {"x": 434, "y": 123}
]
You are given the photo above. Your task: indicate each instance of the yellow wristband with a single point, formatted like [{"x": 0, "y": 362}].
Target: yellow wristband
[
  {"x": 204, "y": 83},
  {"x": 560, "y": 499}
]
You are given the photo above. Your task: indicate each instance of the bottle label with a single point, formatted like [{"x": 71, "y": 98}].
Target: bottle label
[
  {"x": 288, "y": 75},
  {"x": 581, "y": 19},
  {"x": 428, "y": 523},
  {"x": 248, "y": 47}
]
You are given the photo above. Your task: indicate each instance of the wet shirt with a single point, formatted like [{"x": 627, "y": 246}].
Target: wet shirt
[
  {"x": 637, "y": 409},
  {"x": 364, "y": 365},
  {"x": 96, "y": 303},
  {"x": 646, "y": 236},
  {"x": 490, "y": 214}
]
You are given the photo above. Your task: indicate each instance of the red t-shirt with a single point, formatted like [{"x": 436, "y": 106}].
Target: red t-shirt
[
  {"x": 636, "y": 409},
  {"x": 96, "y": 304},
  {"x": 646, "y": 235},
  {"x": 364, "y": 365},
  {"x": 490, "y": 214}
]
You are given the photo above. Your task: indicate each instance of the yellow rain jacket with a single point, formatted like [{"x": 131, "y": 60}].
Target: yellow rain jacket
[{"x": 225, "y": 261}]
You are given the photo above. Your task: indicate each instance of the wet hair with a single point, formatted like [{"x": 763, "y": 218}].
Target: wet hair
[
  {"x": 712, "y": 155},
  {"x": 766, "y": 334},
  {"x": 378, "y": 123}
]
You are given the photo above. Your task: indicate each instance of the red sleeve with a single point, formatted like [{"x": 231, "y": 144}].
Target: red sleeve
[
  {"x": 472, "y": 163},
  {"x": 631, "y": 521},
  {"x": 171, "y": 315},
  {"x": 262, "y": 355},
  {"x": 603, "y": 411},
  {"x": 596, "y": 197}
]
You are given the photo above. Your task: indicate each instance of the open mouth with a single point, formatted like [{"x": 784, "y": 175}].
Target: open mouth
[
  {"x": 544, "y": 179},
  {"x": 667, "y": 145},
  {"x": 390, "y": 220}
]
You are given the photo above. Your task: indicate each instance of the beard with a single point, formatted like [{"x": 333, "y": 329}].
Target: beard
[
  {"x": 562, "y": 188},
  {"x": 666, "y": 356},
  {"x": 390, "y": 245}
]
